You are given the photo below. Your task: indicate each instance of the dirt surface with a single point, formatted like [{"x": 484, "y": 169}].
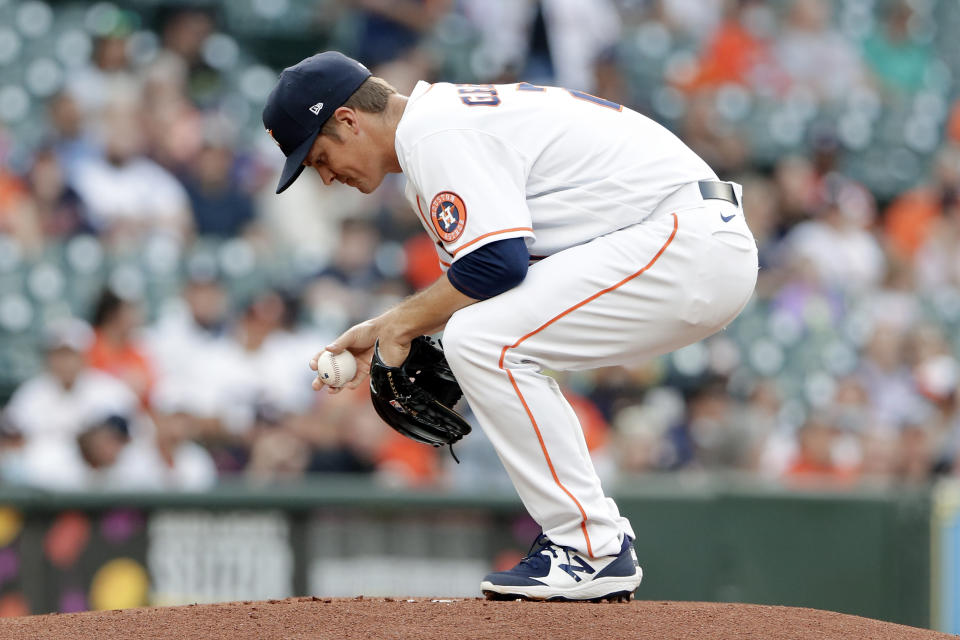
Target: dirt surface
[{"x": 425, "y": 619}]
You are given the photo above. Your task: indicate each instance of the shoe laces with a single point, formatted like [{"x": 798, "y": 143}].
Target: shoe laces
[{"x": 536, "y": 556}]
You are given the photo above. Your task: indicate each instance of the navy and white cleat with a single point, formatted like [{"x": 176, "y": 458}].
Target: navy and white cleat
[{"x": 552, "y": 572}]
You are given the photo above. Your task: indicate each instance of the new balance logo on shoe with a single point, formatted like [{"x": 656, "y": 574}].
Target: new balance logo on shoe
[
  {"x": 315, "y": 109},
  {"x": 584, "y": 567}
]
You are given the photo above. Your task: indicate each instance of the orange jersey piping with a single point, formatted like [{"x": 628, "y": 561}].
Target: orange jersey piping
[
  {"x": 523, "y": 401},
  {"x": 487, "y": 235}
]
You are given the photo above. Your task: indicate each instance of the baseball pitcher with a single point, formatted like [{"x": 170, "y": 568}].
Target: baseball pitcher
[{"x": 573, "y": 232}]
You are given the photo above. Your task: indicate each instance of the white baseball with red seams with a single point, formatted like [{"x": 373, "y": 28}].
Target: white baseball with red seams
[
  {"x": 336, "y": 370},
  {"x": 630, "y": 261}
]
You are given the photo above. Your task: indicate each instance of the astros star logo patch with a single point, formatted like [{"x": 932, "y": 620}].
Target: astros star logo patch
[{"x": 449, "y": 215}]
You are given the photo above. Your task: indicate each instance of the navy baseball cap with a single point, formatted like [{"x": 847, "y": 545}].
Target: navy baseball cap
[{"x": 305, "y": 97}]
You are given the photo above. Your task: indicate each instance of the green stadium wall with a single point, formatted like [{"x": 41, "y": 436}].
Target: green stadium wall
[{"x": 865, "y": 552}]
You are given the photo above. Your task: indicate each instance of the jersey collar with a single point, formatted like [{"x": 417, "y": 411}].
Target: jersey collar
[{"x": 421, "y": 88}]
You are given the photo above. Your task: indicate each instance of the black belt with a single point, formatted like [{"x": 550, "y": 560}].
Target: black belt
[{"x": 713, "y": 190}]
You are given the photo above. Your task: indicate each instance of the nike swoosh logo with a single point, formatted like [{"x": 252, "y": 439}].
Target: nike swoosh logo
[{"x": 727, "y": 218}]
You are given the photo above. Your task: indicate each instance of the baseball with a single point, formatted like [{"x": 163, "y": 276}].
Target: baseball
[{"x": 336, "y": 370}]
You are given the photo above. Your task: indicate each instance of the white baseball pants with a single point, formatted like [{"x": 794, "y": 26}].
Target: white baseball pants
[{"x": 679, "y": 276}]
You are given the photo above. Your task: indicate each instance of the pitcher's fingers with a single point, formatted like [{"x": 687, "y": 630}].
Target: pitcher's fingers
[
  {"x": 340, "y": 344},
  {"x": 357, "y": 380}
]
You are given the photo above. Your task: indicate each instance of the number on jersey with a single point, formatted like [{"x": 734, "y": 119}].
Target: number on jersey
[
  {"x": 580, "y": 95},
  {"x": 485, "y": 95},
  {"x": 478, "y": 95}
]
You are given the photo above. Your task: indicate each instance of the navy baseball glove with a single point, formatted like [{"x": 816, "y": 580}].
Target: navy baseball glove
[{"x": 417, "y": 398}]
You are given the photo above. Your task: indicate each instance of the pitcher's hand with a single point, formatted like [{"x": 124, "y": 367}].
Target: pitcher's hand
[{"x": 358, "y": 340}]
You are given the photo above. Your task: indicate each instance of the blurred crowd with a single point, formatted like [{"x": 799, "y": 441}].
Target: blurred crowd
[{"x": 171, "y": 301}]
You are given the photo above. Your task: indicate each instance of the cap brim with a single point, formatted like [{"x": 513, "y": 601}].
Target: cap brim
[{"x": 293, "y": 167}]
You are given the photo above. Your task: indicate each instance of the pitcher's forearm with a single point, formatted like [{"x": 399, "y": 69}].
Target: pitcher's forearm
[{"x": 425, "y": 312}]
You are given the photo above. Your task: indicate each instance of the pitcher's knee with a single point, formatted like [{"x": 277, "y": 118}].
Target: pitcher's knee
[{"x": 465, "y": 342}]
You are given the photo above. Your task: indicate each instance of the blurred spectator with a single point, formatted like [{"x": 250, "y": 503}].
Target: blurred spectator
[
  {"x": 638, "y": 439},
  {"x": 759, "y": 423},
  {"x": 51, "y": 409},
  {"x": 808, "y": 44},
  {"x": 937, "y": 378},
  {"x": 880, "y": 447},
  {"x": 694, "y": 19},
  {"x": 937, "y": 259},
  {"x": 711, "y": 438},
  {"x": 169, "y": 461},
  {"x": 953, "y": 125},
  {"x": 917, "y": 453},
  {"x": 16, "y": 214},
  {"x": 173, "y": 128},
  {"x": 260, "y": 362},
  {"x": 57, "y": 209},
  {"x": 343, "y": 434},
  {"x": 129, "y": 196},
  {"x": 804, "y": 297},
  {"x": 390, "y": 29},
  {"x": 108, "y": 77},
  {"x": 101, "y": 445},
  {"x": 71, "y": 139},
  {"x": 116, "y": 349},
  {"x": 307, "y": 220},
  {"x": 183, "y": 332},
  {"x": 220, "y": 207},
  {"x": 644, "y": 432},
  {"x": 895, "y": 302},
  {"x": 187, "y": 346},
  {"x": 886, "y": 377},
  {"x": 737, "y": 52},
  {"x": 910, "y": 217},
  {"x": 762, "y": 212},
  {"x": 850, "y": 411},
  {"x": 11, "y": 458},
  {"x": 816, "y": 457},
  {"x": 799, "y": 189},
  {"x": 554, "y": 42},
  {"x": 895, "y": 56},
  {"x": 596, "y": 431},
  {"x": 353, "y": 262},
  {"x": 43, "y": 207},
  {"x": 277, "y": 451},
  {"x": 403, "y": 462},
  {"x": 712, "y": 136},
  {"x": 926, "y": 343},
  {"x": 838, "y": 242},
  {"x": 184, "y": 32}
]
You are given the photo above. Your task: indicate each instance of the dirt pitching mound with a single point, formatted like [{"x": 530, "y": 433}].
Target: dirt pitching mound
[{"x": 426, "y": 619}]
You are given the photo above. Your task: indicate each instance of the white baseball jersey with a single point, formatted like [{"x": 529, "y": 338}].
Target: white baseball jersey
[
  {"x": 636, "y": 263},
  {"x": 558, "y": 167}
]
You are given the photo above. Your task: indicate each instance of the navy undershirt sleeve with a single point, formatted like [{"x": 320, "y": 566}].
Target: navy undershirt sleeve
[{"x": 491, "y": 269}]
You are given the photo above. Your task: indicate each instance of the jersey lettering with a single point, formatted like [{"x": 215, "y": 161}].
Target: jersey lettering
[
  {"x": 580, "y": 95},
  {"x": 475, "y": 95}
]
